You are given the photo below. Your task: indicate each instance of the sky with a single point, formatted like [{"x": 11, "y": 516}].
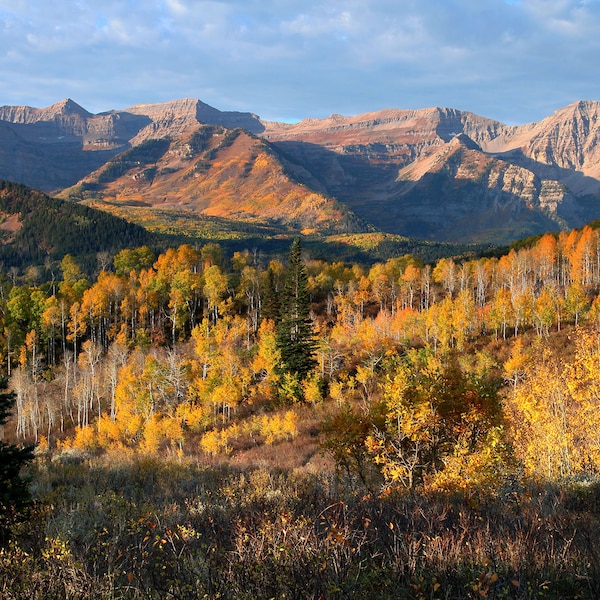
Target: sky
[{"x": 516, "y": 61}]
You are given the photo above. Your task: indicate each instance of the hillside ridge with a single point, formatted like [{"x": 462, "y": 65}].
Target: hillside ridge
[{"x": 544, "y": 174}]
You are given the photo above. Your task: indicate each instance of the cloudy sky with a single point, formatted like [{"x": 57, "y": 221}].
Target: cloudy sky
[{"x": 513, "y": 60}]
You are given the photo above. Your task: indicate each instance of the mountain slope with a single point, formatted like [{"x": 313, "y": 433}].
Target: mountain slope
[
  {"x": 215, "y": 172},
  {"x": 547, "y": 176},
  {"x": 34, "y": 227},
  {"x": 459, "y": 191}
]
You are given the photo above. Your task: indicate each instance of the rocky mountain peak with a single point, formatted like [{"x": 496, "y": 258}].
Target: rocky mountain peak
[
  {"x": 67, "y": 107},
  {"x": 29, "y": 115},
  {"x": 464, "y": 141},
  {"x": 581, "y": 108},
  {"x": 190, "y": 112},
  {"x": 450, "y": 156}
]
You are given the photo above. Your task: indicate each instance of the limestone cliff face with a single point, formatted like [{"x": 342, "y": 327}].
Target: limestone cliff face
[
  {"x": 460, "y": 192},
  {"x": 172, "y": 119},
  {"x": 67, "y": 142},
  {"x": 66, "y": 122},
  {"x": 395, "y": 136},
  {"x": 438, "y": 173},
  {"x": 569, "y": 140}
]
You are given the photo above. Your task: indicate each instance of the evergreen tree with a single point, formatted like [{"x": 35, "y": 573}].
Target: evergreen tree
[
  {"x": 14, "y": 494},
  {"x": 270, "y": 304},
  {"x": 295, "y": 336}
]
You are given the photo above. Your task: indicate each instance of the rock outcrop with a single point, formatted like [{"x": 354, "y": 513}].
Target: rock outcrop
[
  {"x": 437, "y": 173},
  {"x": 387, "y": 167}
]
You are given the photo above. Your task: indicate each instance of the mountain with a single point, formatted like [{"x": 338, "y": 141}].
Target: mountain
[
  {"x": 459, "y": 192},
  {"x": 565, "y": 145},
  {"x": 437, "y": 173},
  {"x": 214, "y": 172},
  {"x": 178, "y": 116},
  {"x": 181, "y": 156},
  {"x": 444, "y": 174},
  {"x": 54, "y": 147},
  {"x": 51, "y": 148}
]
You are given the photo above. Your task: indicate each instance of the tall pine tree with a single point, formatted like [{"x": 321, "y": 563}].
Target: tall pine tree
[
  {"x": 14, "y": 494},
  {"x": 295, "y": 335},
  {"x": 270, "y": 302}
]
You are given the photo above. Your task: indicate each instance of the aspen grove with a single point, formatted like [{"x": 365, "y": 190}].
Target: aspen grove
[{"x": 181, "y": 353}]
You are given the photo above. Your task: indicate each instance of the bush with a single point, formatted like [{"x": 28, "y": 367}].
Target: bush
[{"x": 151, "y": 529}]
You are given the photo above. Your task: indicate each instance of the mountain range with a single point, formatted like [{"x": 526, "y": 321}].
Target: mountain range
[{"x": 436, "y": 173}]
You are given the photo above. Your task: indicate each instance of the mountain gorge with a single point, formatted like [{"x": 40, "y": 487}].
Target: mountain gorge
[{"x": 437, "y": 174}]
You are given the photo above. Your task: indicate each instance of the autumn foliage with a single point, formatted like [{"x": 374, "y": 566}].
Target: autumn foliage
[
  {"x": 473, "y": 379},
  {"x": 191, "y": 351}
]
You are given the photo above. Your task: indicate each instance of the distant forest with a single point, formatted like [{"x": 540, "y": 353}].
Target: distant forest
[{"x": 49, "y": 228}]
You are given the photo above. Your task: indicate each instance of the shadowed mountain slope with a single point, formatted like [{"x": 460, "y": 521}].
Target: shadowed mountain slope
[
  {"x": 35, "y": 228},
  {"x": 438, "y": 173}
]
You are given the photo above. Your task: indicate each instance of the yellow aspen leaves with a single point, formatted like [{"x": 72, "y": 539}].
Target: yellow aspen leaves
[
  {"x": 554, "y": 411},
  {"x": 215, "y": 442}
]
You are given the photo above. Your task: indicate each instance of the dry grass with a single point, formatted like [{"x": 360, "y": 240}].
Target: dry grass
[{"x": 165, "y": 529}]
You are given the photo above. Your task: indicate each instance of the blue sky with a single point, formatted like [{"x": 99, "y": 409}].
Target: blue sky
[{"x": 513, "y": 60}]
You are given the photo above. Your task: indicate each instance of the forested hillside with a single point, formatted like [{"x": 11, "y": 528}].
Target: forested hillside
[
  {"x": 432, "y": 429},
  {"x": 35, "y": 228}
]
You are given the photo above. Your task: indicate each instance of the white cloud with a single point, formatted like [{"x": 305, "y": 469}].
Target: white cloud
[
  {"x": 176, "y": 7},
  {"x": 506, "y": 59}
]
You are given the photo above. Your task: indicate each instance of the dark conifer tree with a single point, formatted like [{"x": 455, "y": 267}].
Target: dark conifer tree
[
  {"x": 14, "y": 493},
  {"x": 295, "y": 336},
  {"x": 270, "y": 303}
]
